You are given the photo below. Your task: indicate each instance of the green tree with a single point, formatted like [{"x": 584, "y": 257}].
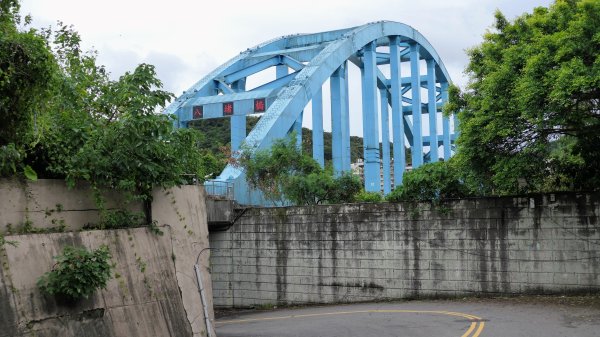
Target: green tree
[
  {"x": 27, "y": 71},
  {"x": 322, "y": 187},
  {"x": 431, "y": 182},
  {"x": 283, "y": 173},
  {"x": 270, "y": 170},
  {"x": 61, "y": 114},
  {"x": 140, "y": 149},
  {"x": 530, "y": 113}
]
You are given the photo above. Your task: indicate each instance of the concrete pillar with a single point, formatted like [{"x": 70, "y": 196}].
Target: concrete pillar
[
  {"x": 338, "y": 93},
  {"x": 346, "y": 150},
  {"x": 317, "y": 128},
  {"x": 385, "y": 141},
  {"x": 417, "y": 149},
  {"x": 397, "y": 114},
  {"x": 432, "y": 111},
  {"x": 370, "y": 113}
]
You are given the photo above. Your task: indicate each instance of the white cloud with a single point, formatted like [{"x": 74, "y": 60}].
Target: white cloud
[{"x": 187, "y": 39}]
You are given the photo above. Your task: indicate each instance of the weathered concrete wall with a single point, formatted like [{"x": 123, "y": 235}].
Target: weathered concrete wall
[
  {"x": 183, "y": 210},
  {"x": 359, "y": 252},
  {"x": 143, "y": 300},
  {"x": 49, "y": 203},
  {"x": 155, "y": 292}
]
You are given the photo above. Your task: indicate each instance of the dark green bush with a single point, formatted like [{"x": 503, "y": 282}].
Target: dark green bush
[
  {"x": 431, "y": 182},
  {"x": 77, "y": 274}
]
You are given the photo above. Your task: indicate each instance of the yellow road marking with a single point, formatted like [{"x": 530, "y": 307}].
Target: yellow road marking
[
  {"x": 471, "y": 328},
  {"x": 477, "y": 323},
  {"x": 481, "y": 325}
]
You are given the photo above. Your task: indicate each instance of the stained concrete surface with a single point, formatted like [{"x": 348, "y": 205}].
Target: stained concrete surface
[
  {"x": 537, "y": 244},
  {"x": 153, "y": 291}
]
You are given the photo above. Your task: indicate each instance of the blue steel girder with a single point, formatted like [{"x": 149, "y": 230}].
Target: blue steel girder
[{"x": 320, "y": 54}]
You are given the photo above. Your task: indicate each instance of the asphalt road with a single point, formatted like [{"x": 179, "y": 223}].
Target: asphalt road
[{"x": 527, "y": 317}]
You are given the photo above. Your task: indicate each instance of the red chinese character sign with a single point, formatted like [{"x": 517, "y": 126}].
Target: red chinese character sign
[
  {"x": 228, "y": 109},
  {"x": 197, "y": 112},
  {"x": 260, "y": 105}
]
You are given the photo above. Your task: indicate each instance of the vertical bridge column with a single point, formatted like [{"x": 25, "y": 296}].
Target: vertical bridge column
[
  {"x": 238, "y": 122},
  {"x": 370, "y": 125},
  {"x": 417, "y": 149},
  {"x": 346, "y": 151},
  {"x": 445, "y": 123},
  {"x": 339, "y": 118},
  {"x": 317, "y": 128},
  {"x": 432, "y": 111},
  {"x": 397, "y": 114},
  {"x": 385, "y": 141}
]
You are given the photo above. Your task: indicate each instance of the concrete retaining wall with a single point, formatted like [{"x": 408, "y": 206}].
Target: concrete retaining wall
[
  {"x": 360, "y": 252},
  {"x": 47, "y": 203},
  {"x": 154, "y": 291}
]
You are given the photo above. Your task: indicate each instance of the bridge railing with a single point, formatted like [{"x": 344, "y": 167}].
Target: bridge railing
[{"x": 219, "y": 189}]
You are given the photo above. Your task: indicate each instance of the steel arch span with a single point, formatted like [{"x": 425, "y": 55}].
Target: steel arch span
[{"x": 303, "y": 63}]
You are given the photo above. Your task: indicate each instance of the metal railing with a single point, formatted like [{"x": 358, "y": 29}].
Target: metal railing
[{"x": 219, "y": 188}]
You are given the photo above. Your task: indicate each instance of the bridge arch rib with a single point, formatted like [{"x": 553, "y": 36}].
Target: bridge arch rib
[{"x": 314, "y": 59}]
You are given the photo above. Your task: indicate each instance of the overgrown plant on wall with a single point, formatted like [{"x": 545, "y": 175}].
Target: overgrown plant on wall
[
  {"x": 3, "y": 241},
  {"x": 77, "y": 274}
]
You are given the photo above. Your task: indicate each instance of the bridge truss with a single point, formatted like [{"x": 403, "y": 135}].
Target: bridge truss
[{"x": 303, "y": 63}]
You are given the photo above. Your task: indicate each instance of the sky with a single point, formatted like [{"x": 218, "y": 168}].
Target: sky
[{"x": 185, "y": 40}]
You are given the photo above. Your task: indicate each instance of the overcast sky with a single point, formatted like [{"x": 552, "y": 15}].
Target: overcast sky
[{"x": 187, "y": 39}]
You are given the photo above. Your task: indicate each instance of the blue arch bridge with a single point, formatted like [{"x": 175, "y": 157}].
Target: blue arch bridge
[{"x": 303, "y": 64}]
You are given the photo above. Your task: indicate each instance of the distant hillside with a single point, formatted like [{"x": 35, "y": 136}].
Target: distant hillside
[{"x": 217, "y": 136}]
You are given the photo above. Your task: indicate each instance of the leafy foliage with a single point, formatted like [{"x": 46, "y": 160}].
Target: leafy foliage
[
  {"x": 3, "y": 242},
  {"x": 77, "y": 274},
  {"x": 27, "y": 68},
  {"x": 285, "y": 173},
  {"x": 271, "y": 170},
  {"x": 10, "y": 157},
  {"x": 530, "y": 112},
  {"x": 345, "y": 189},
  {"x": 120, "y": 218},
  {"x": 365, "y": 196},
  {"x": 431, "y": 182},
  {"x": 322, "y": 187},
  {"x": 134, "y": 154},
  {"x": 61, "y": 116}
]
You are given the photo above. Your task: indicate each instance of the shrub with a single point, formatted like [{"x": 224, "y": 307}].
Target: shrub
[
  {"x": 431, "y": 182},
  {"x": 345, "y": 188},
  {"x": 77, "y": 273},
  {"x": 364, "y": 196}
]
